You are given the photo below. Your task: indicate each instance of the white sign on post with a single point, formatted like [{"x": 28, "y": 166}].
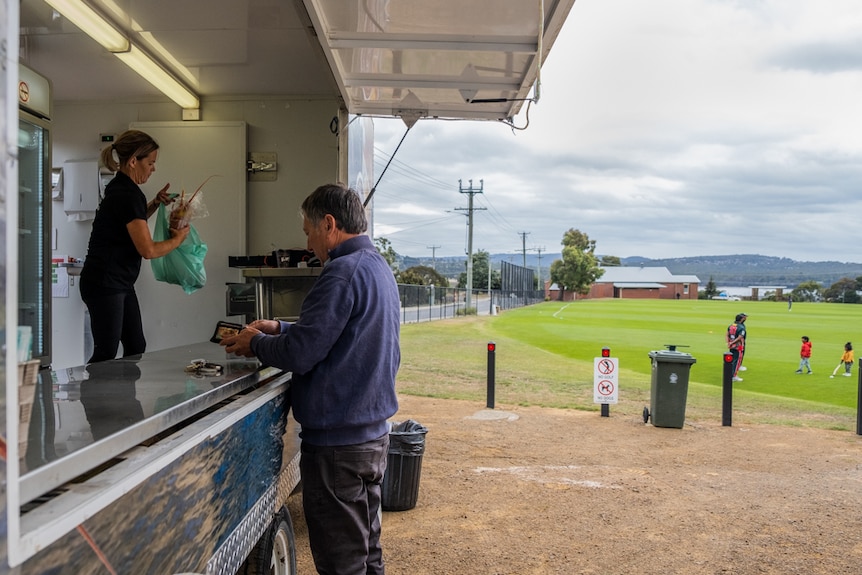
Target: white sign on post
[{"x": 605, "y": 384}]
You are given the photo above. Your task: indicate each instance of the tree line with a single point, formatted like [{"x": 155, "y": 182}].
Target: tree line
[
  {"x": 579, "y": 267},
  {"x": 426, "y": 275},
  {"x": 845, "y": 290}
]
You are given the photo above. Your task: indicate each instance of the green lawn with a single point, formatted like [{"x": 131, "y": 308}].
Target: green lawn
[{"x": 545, "y": 356}]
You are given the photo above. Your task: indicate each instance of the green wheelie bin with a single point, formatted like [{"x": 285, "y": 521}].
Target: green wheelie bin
[{"x": 669, "y": 387}]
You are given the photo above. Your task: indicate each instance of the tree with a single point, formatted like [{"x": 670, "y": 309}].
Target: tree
[
  {"x": 481, "y": 261},
  {"x": 807, "y": 291},
  {"x": 422, "y": 276},
  {"x": 611, "y": 261},
  {"x": 384, "y": 246},
  {"x": 710, "y": 289},
  {"x": 842, "y": 291},
  {"x": 579, "y": 267}
]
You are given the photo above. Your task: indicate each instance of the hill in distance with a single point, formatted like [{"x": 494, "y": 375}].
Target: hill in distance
[
  {"x": 728, "y": 271},
  {"x": 748, "y": 269}
]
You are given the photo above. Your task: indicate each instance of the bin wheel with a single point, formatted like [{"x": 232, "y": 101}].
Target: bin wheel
[
  {"x": 275, "y": 552},
  {"x": 646, "y": 414}
]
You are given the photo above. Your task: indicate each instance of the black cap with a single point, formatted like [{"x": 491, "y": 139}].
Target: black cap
[{"x": 739, "y": 316}]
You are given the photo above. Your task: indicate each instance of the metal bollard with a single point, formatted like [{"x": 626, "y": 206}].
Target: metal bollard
[
  {"x": 606, "y": 408},
  {"x": 492, "y": 348},
  {"x": 727, "y": 391},
  {"x": 859, "y": 400}
]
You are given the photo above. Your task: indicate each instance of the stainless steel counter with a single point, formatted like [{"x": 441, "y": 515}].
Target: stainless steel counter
[
  {"x": 262, "y": 273},
  {"x": 85, "y": 416}
]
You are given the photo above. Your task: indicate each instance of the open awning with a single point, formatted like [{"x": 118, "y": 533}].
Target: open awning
[{"x": 475, "y": 59}]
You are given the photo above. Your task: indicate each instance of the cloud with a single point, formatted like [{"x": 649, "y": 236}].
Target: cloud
[
  {"x": 821, "y": 58},
  {"x": 697, "y": 127}
]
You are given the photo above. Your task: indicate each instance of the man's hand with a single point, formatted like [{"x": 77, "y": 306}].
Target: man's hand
[
  {"x": 240, "y": 344},
  {"x": 267, "y": 326}
]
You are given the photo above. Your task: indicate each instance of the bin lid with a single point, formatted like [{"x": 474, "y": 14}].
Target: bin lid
[{"x": 667, "y": 356}]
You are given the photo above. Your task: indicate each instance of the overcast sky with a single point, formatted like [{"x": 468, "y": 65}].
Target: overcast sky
[{"x": 667, "y": 128}]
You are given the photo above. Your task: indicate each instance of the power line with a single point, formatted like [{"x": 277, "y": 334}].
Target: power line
[{"x": 410, "y": 172}]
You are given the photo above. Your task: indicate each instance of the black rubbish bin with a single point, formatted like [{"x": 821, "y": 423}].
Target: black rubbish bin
[
  {"x": 669, "y": 387},
  {"x": 403, "y": 466}
]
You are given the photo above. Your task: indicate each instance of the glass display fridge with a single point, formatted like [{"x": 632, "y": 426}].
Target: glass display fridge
[{"x": 34, "y": 214}]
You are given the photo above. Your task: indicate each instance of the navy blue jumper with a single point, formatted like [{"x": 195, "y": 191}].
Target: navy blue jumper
[{"x": 343, "y": 350}]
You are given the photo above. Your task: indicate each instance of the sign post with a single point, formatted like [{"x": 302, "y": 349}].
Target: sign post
[{"x": 605, "y": 381}]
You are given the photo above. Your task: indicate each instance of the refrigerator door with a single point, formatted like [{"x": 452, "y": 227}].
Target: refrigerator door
[{"x": 34, "y": 225}]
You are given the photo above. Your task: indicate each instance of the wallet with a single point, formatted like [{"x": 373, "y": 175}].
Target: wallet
[{"x": 225, "y": 329}]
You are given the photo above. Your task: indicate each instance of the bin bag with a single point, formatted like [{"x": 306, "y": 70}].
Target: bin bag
[{"x": 407, "y": 438}]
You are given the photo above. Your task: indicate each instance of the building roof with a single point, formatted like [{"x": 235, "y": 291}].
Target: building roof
[
  {"x": 641, "y": 285},
  {"x": 638, "y": 274},
  {"x": 687, "y": 279}
]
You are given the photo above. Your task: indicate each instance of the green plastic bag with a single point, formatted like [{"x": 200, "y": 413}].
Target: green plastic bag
[{"x": 183, "y": 266}]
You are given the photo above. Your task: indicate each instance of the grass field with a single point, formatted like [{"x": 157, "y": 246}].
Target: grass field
[{"x": 545, "y": 356}]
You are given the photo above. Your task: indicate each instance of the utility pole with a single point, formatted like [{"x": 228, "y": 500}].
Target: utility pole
[
  {"x": 524, "y": 245},
  {"x": 539, "y": 250},
  {"x": 541, "y": 284},
  {"x": 470, "y": 209},
  {"x": 433, "y": 256}
]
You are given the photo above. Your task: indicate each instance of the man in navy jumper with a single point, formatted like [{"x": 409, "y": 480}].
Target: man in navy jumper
[{"x": 343, "y": 353}]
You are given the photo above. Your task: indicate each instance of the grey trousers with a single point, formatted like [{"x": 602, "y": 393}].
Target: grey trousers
[{"x": 341, "y": 489}]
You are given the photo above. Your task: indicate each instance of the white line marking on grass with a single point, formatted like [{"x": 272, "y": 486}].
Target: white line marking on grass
[{"x": 559, "y": 311}]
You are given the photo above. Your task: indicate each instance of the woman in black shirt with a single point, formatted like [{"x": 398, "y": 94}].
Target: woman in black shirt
[{"x": 119, "y": 240}]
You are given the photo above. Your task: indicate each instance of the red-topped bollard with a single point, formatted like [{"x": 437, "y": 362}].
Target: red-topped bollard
[
  {"x": 606, "y": 408},
  {"x": 727, "y": 391},
  {"x": 492, "y": 348}
]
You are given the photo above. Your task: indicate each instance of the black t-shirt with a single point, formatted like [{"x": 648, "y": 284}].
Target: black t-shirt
[{"x": 113, "y": 263}]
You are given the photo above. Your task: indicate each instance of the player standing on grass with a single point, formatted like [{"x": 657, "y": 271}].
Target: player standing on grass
[{"x": 736, "y": 343}]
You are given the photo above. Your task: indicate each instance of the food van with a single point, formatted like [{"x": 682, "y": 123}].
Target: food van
[{"x": 148, "y": 464}]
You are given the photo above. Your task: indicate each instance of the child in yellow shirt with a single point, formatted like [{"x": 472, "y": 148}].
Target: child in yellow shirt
[{"x": 846, "y": 359}]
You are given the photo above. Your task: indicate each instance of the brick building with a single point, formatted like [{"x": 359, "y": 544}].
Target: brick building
[{"x": 636, "y": 282}]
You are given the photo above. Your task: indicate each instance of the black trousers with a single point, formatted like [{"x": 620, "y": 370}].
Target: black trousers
[
  {"x": 341, "y": 489},
  {"x": 115, "y": 319}
]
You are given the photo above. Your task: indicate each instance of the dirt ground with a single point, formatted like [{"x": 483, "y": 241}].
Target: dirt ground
[{"x": 547, "y": 491}]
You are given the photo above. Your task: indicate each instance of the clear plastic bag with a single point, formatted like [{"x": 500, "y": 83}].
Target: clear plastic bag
[
  {"x": 183, "y": 266},
  {"x": 185, "y": 209}
]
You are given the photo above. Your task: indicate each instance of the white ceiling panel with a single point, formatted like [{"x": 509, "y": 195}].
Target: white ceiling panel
[{"x": 437, "y": 58}]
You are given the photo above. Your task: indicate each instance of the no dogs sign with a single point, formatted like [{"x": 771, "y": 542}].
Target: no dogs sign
[{"x": 605, "y": 388}]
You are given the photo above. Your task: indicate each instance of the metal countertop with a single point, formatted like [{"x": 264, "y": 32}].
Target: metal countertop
[{"x": 84, "y": 416}]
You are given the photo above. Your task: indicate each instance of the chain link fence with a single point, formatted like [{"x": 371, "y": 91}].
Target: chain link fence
[{"x": 429, "y": 303}]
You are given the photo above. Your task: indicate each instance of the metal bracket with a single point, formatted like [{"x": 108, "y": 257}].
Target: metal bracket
[{"x": 262, "y": 166}]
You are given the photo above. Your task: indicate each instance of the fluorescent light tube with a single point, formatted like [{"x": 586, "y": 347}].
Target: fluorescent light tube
[
  {"x": 140, "y": 62},
  {"x": 99, "y": 29},
  {"x": 91, "y": 23}
]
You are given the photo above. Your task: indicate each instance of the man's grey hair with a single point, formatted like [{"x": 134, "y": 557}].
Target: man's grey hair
[{"x": 342, "y": 203}]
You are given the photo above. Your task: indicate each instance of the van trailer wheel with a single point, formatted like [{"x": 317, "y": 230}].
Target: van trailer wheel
[
  {"x": 646, "y": 414},
  {"x": 275, "y": 553}
]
